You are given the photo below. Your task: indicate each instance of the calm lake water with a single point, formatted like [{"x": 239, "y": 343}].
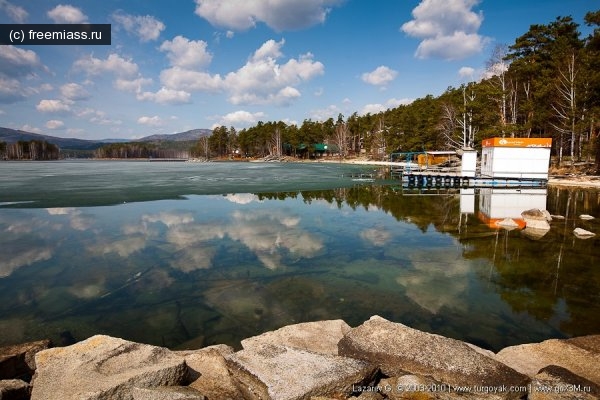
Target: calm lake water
[{"x": 189, "y": 255}]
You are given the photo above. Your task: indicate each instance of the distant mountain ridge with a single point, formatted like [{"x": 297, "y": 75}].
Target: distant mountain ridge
[
  {"x": 193, "y": 134},
  {"x": 12, "y": 135}
]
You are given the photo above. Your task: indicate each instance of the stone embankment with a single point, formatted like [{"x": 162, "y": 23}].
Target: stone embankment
[{"x": 326, "y": 360}]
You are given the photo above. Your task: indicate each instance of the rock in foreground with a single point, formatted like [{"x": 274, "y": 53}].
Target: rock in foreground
[
  {"x": 398, "y": 349},
  {"x": 284, "y": 373},
  {"x": 209, "y": 374},
  {"x": 318, "y": 337},
  {"x": 580, "y": 356},
  {"x": 103, "y": 367},
  {"x": 14, "y": 389},
  {"x": 19, "y": 360}
]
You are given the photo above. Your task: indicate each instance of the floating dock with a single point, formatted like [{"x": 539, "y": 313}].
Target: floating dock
[
  {"x": 447, "y": 181},
  {"x": 505, "y": 163},
  {"x": 453, "y": 179}
]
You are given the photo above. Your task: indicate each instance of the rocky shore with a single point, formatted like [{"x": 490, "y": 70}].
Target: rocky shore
[{"x": 325, "y": 360}]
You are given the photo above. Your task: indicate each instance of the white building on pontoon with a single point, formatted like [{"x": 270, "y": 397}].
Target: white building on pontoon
[{"x": 521, "y": 158}]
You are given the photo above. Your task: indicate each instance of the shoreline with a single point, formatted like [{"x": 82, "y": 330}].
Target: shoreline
[
  {"x": 326, "y": 359},
  {"x": 571, "y": 180},
  {"x": 574, "y": 180}
]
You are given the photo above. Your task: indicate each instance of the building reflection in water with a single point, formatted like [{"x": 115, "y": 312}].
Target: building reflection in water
[{"x": 496, "y": 205}]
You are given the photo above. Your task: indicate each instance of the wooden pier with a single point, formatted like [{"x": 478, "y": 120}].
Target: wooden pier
[{"x": 453, "y": 179}]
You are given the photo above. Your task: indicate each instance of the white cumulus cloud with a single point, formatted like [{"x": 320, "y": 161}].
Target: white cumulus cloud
[
  {"x": 145, "y": 27},
  {"x": 448, "y": 29},
  {"x": 280, "y": 15},
  {"x": 67, "y": 14},
  {"x": 239, "y": 119},
  {"x": 262, "y": 80},
  {"x": 186, "y": 53},
  {"x": 53, "y": 106},
  {"x": 466, "y": 72},
  {"x": 381, "y": 76},
  {"x": 17, "y": 62},
  {"x": 150, "y": 121},
  {"x": 15, "y": 13},
  {"x": 178, "y": 78},
  {"x": 114, "y": 63},
  {"x": 74, "y": 91},
  {"x": 10, "y": 91},
  {"x": 166, "y": 96},
  {"x": 377, "y": 108},
  {"x": 132, "y": 85},
  {"x": 54, "y": 124}
]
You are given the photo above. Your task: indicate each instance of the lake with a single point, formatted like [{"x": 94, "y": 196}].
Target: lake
[{"x": 186, "y": 255}]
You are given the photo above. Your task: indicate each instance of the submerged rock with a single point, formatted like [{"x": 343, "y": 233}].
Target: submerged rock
[
  {"x": 586, "y": 217},
  {"x": 398, "y": 350},
  {"x": 583, "y": 234},
  {"x": 318, "y": 337},
  {"x": 285, "y": 373},
  {"x": 536, "y": 219},
  {"x": 508, "y": 224},
  {"x": 104, "y": 367},
  {"x": 534, "y": 233}
]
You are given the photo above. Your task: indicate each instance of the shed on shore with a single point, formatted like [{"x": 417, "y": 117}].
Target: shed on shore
[{"x": 522, "y": 158}]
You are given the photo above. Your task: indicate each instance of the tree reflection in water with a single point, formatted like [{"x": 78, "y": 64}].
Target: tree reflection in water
[{"x": 217, "y": 269}]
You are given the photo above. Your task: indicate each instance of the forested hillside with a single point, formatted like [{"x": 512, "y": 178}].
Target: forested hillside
[
  {"x": 545, "y": 84},
  {"x": 29, "y": 150}
]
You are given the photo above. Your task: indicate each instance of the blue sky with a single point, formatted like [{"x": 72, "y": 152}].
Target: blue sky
[{"x": 185, "y": 64}]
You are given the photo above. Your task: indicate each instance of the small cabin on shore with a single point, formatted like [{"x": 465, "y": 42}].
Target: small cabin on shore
[{"x": 521, "y": 158}]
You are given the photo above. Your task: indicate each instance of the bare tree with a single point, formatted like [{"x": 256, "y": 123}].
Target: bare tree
[
  {"x": 449, "y": 127},
  {"x": 205, "y": 147},
  {"x": 379, "y": 142},
  {"x": 341, "y": 137},
  {"x": 513, "y": 102},
  {"x": 497, "y": 68},
  {"x": 276, "y": 143},
  {"x": 565, "y": 106},
  {"x": 458, "y": 130},
  {"x": 469, "y": 131}
]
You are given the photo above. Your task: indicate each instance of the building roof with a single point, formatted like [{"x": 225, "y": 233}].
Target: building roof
[{"x": 517, "y": 142}]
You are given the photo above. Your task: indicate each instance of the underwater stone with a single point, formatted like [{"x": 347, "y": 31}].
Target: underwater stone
[
  {"x": 508, "y": 223},
  {"x": 582, "y": 233},
  {"x": 586, "y": 217},
  {"x": 536, "y": 219}
]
